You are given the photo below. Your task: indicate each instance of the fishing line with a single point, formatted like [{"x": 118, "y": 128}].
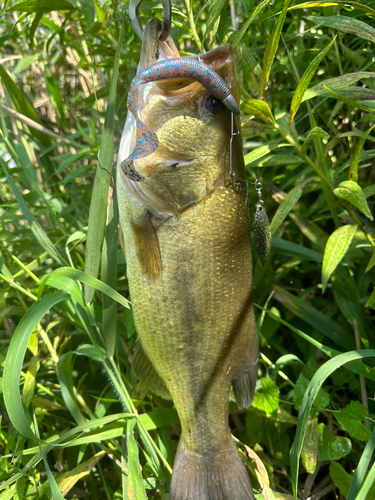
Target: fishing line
[{"x": 103, "y": 167}]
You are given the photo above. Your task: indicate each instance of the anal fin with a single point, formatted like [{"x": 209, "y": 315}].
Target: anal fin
[
  {"x": 145, "y": 371},
  {"x": 244, "y": 382}
]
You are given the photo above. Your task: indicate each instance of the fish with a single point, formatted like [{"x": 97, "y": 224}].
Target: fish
[{"x": 185, "y": 232}]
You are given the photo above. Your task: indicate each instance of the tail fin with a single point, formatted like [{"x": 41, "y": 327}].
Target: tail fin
[{"x": 212, "y": 477}]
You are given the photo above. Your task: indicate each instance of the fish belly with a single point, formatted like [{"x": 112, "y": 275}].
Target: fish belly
[{"x": 196, "y": 319}]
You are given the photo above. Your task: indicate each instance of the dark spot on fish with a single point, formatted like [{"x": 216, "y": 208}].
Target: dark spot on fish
[
  {"x": 184, "y": 117},
  {"x": 153, "y": 331},
  {"x": 189, "y": 431}
]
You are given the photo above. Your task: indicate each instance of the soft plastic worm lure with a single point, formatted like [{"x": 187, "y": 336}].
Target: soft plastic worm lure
[{"x": 147, "y": 141}]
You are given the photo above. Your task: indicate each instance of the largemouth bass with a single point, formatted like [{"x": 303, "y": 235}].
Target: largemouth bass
[{"x": 185, "y": 231}]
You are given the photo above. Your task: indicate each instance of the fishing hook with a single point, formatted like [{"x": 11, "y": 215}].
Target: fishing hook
[{"x": 167, "y": 18}]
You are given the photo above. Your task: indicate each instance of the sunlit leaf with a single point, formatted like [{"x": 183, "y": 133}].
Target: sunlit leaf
[
  {"x": 335, "y": 249},
  {"x": 268, "y": 399},
  {"x": 351, "y": 419},
  {"x": 332, "y": 447},
  {"x": 352, "y": 192}
]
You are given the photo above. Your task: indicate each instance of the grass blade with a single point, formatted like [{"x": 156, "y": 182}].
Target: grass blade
[
  {"x": 273, "y": 43},
  {"x": 14, "y": 360},
  {"x": 305, "y": 80},
  {"x": 335, "y": 249},
  {"x": 109, "y": 276},
  {"x": 361, "y": 470},
  {"x": 340, "y": 82},
  {"x": 314, "y": 386},
  {"x": 136, "y": 490},
  {"x": 99, "y": 198},
  {"x": 35, "y": 227},
  {"x": 74, "y": 274}
]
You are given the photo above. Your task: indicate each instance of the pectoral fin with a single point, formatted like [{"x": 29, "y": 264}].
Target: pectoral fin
[
  {"x": 244, "y": 382},
  {"x": 147, "y": 246},
  {"x": 144, "y": 370}
]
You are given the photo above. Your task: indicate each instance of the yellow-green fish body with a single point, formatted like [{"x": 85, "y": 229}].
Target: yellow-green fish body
[{"x": 186, "y": 235}]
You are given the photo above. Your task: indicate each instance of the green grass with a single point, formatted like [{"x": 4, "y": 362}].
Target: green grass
[{"x": 75, "y": 420}]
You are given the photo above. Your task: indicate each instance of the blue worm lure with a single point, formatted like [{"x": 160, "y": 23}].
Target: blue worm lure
[{"x": 147, "y": 141}]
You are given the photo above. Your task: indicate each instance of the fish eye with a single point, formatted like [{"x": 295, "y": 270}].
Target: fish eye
[{"x": 213, "y": 105}]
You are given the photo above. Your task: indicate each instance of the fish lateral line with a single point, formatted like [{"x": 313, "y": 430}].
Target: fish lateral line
[{"x": 147, "y": 140}]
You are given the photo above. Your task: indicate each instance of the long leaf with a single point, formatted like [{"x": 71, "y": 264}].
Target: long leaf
[
  {"x": 287, "y": 205},
  {"x": 353, "y": 171},
  {"x": 99, "y": 198},
  {"x": 308, "y": 400},
  {"x": 305, "y": 80},
  {"x": 14, "y": 360},
  {"x": 361, "y": 470},
  {"x": 74, "y": 274},
  {"x": 340, "y": 82},
  {"x": 271, "y": 48},
  {"x": 347, "y": 25},
  {"x": 336, "y": 247}
]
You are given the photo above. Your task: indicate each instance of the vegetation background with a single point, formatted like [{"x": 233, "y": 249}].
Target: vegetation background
[{"x": 76, "y": 422}]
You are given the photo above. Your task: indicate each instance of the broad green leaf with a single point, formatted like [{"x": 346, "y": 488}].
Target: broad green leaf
[
  {"x": 350, "y": 102},
  {"x": 337, "y": 83},
  {"x": 315, "y": 133},
  {"x": 258, "y": 108},
  {"x": 347, "y": 25},
  {"x": 268, "y": 399},
  {"x": 272, "y": 45},
  {"x": 88, "y": 9},
  {"x": 309, "y": 453},
  {"x": 99, "y": 198},
  {"x": 335, "y": 249},
  {"x": 329, "y": 3},
  {"x": 305, "y": 80},
  {"x": 340, "y": 477},
  {"x": 332, "y": 447},
  {"x": 308, "y": 400},
  {"x": 362, "y": 467},
  {"x": 353, "y": 171},
  {"x": 352, "y": 192},
  {"x": 322, "y": 398},
  {"x": 35, "y": 227},
  {"x": 136, "y": 490},
  {"x": 245, "y": 26},
  {"x": 41, "y": 6},
  {"x": 351, "y": 419},
  {"x": 14, "y": 360},
  {"x": 74, "y": 274},
  {"x": 287, "y": 205}
]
